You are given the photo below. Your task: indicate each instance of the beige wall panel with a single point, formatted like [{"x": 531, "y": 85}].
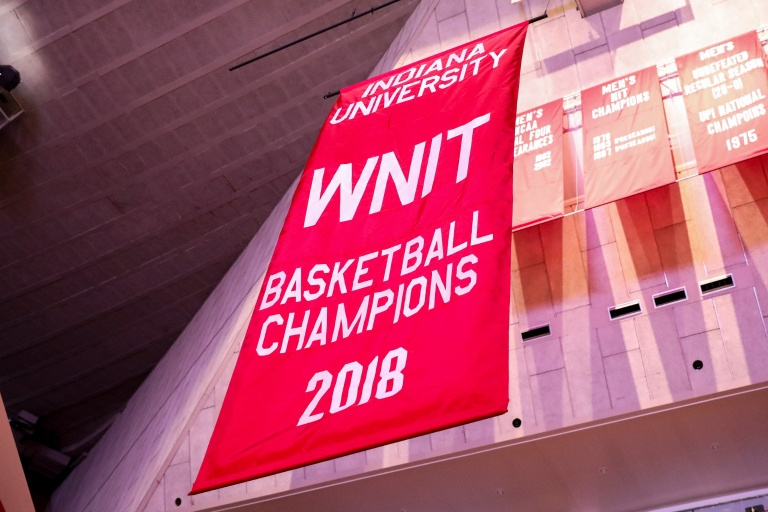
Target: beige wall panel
[
  {"x": 530, "y": 287},
  {"x": 482, "y": 432},
  {"x": 565, "y": 268},
  {"x": 543, "y": 356},
  {"x": 744, "y": 182},
  {"x": 662, "y": 355},
  {"x": 414, "y": 448},
  {"x": 625, "y": 39},
  {"x": 583, "y": 363},
  {"x": 428, "y": 41},
  {"x": 708, "y": 348},
  {"x": 483, "y": 18},
  {"x": 752, "y": 222},
  {"x": 199, "y": 435},
  {"x": 625, "y": 376},
  {"x": 705, "y": 197},
  {"x": 526, "y": 248},
  {"x": 324, "y": 470},
  {"x": 617, "y": 337},
  {"x": 177, "y": 485},
  {"x": 761, "y": 10},
  {"x": 606, "y": 279},
  {"x": 448, "y": 440},
  {"x": 511, "y": 14},
  {"x": 551, "y": 399},
  {"x": 743, "y": 334},
  {"x": 594, "y": 66},
  {"x": 233, "y": 491},
  {"x": 585, "y": 33},
  {"x": 182, "y": 455},
  {"x": 734, "y": 17},
  {"x": 696, "y": 317},
  {"x": 680, "y": 256},
  {"x": 665, "y": 206},
  {"x": 636, "y": 244},
  {"x": 156, "y": 502},
  {"x": 512, "y": 309},
  {"x": 448, "y": 8},
  {"x": 558, "y": 65},
  {"x": 453, "y": 31},
  {"x": 594, "y": 228},
  {"x": 520, "y": 399}
]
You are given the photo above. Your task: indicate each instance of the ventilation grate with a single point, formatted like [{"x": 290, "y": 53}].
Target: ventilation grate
[
  {"x": 716, "y": 284},
  {"x": 622, "y": 310},
  {"x": 670, "y": 297},
  {"x": 536, "y": 332}
]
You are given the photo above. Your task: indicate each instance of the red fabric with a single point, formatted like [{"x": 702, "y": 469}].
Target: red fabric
[
  {"x": 437, "y": 365},
  {"x": 538, "y": 180},
  {"x": 626, "y": 145},
  {"x": 724, "y": 89}
]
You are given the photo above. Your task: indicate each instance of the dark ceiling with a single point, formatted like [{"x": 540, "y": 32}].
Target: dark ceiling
[{"x": 140, "y": 170}]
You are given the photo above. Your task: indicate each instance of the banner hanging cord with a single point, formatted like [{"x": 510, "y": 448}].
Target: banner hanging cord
[{"x": 317, "y": 33}]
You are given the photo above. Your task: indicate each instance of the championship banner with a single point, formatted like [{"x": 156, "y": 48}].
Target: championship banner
[
  {"x": 538, "y": 178},
  {"x": 384, "y": 312},
  {"x": 724, "y": 90},
  {"x": 626, "y": 146}
]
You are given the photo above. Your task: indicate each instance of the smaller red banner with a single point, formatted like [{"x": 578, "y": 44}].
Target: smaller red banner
[
  {"x": 724, "y": 90},
  {"x": 626, "y": 146},
  {"x": 537, "y": 191}
]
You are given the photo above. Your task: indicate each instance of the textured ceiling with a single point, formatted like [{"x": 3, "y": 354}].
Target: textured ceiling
[{"x": 141, "y": 169}]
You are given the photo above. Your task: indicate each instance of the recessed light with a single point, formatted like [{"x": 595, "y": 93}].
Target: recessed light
[
  {"x": 603, "y": 470},
  {"x": 499, "y": 491},
  {"x": 715, "y": 446}
]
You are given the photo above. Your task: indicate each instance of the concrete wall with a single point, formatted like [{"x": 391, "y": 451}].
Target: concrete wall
[{"x": 565, "y": 273}]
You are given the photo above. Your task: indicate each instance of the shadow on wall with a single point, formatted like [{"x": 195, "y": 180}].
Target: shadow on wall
[
  {"x": 622, "y": 36},
  {"x": 568, "y": 272}
]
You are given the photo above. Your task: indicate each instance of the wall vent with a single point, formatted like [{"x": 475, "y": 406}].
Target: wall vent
[
  {"x": 665, "y": 298},
  {"x": 626, "y": 309},
  {"x": 536, "y": 332},
  {"x": 716, "y": 284}
]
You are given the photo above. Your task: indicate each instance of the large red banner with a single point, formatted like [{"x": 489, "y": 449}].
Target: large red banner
[
  {"x": 724, "y": 90},
  {"x": 384, "y": 312},
  {"x": 538, "y": 179},
  {"x": 626, "y": 145}
]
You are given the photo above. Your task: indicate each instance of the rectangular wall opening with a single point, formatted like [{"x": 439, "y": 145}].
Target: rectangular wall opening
[
  {"x": 666, "y": 298},
  {"x": 626, "y": 309},
  {"x": 717, "y": 284},
  {"x": 536, "y": 332}
]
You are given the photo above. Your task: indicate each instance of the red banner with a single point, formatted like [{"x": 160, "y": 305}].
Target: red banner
[
  {"x": 626, "y": 146},
  {"x": 384, "y": 312},
  {"x": 724, "y": 90},
  {"x": 538, "y": 179}
]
